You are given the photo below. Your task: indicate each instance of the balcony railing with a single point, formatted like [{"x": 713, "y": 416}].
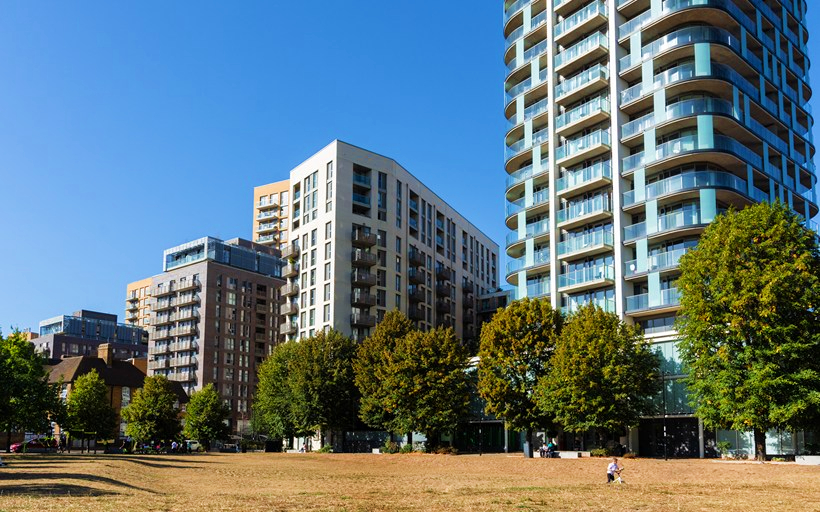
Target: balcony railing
[
  {"x": 669, "y": 297},
  {"x": 532, "y": 230},
  {"x": 573, "y": 179},
  {"x": 574, "y": 210},
  {"x": 586, "y": 241},
  {"x": 579, "y": 17},
  {"x": 578, "y": 81},
  {"x": 539, "y": 257},
  {"x": 526, "y": 172},
  {"x": 655, "y": 262},
  {"x": 586, "y": 275},
  {"x": 539, "y": 197},
  {"x": 592, "y": 42},
  {"x": 574, "y": 146}
]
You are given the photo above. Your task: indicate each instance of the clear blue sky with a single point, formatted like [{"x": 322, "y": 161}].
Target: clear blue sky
[{"x": 129, "y": 128}]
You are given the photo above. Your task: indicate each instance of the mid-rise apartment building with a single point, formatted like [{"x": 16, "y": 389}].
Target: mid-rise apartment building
[
  {"x": 271, "y": 214},
  {"x": 214, "y": 318},
  {"x": 83, "y": 332},
  {"x": 367, "y": 237},
  {"x": 138, "y": 303},
  {"x": 632, "y": 125}
]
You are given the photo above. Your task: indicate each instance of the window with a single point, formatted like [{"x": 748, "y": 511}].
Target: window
[
  {"x": 327, "y": 271},
  {"x": 312, "y": 296},
  {"x": 312, "y": 257},
  {"x": 329, "y": 170},
  {"x": 398, "y": 244},
  {"x": 312, "y": 317},
  {"x": 326, "y": 314},
  {"x": 328, "y": 252},
  {"x": 329, "y": 190},
  {"x": 398, "y": 301},
  {"x": 312, "y": 276},
  {"x": 313, "y": 238},
  {"x": 329, "y": 206},
  {"x": 398, "y": 283},
  {"x": 328, "y": 230},
  {"x": 327, "y": 292},
  {"x": 398, "y": 263},
  {"x": 382, "y": 239},
  {"x": 232, "y": 298}
]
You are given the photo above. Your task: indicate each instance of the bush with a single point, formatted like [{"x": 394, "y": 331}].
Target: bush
[
  {"x": 723, "y": 447},
  {"x": 599, "y": 452},
  {"x": 390, "y": 447},
  {"x": 446, "y": 450},
  {"x": 407, "y": 448},
  {"x": 326, "y": 449},
  {"x": 629, "y": 455}
]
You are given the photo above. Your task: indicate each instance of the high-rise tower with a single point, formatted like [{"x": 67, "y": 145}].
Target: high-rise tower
[{"x": 632, "y": 124}]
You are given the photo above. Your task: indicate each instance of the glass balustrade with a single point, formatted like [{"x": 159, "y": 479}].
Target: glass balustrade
[
  {"x": 599, "y": 104},
  {"x": 521, "y": 145},
  {"x": 690, "y": 144},
  {"x": 540, "y": 257},
  {"x": 585, "y": 241},
  {"x": 539, "y": 197},
  {"x": 590, "y": 11},
  {"x": 590, "y": 206},
  {"x": 573, "y": 146},
  {"x": 592, "y": 42},
  {"x": 586, "y": 275},
  {"x": 539, "y": 289},
  {"x": 668, "y": 297},
  {"x": 535, "y": 22},
  {"x": 607, "y": 305},
  {"x": 525, "y": 85},
  {"x": 526, "y": 172},
  {"x": 656, "y": 262},
  {"x": 580, "y": 177},
  {"x": 580, "y": 80},
  {"x": 529, "y": 55},
  {"x": 689, "y": 181},
  {"x": 532, "y": 230},
  {"x": 513, "y": 8}
]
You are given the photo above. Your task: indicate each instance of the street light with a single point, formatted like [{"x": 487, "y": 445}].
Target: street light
[{"x": 665, "y": 439}]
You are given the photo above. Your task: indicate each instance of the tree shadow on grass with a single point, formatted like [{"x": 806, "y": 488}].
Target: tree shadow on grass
[
  {"x": 45, "y": 477},
  {"x": 53, "y": 489},
  {"x": 155, "y": 465}
]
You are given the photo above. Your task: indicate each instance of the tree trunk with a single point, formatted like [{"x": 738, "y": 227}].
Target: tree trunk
[
  {"x": 760, "y": 445},
  {"x": 8, "y": 441},
  {"x": 528, "y": 450}
]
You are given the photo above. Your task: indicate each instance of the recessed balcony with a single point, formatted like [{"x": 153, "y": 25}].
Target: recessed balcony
[
  {"x": 362, "y": 258},
  {"x": 363, "y": 239},
  {"x": 586, "y": 279},
  {"x": 583, "y": 180},
  {"x": 583, "y": 21},
  {"x": 362, "y": 278},
  {"x": 659, "y": 262},
  {"x": 588, "y": 50},
  {"x": 590, "y": 244},
  {"x": 642, "y": 305},
  {"x": 584, "y": 212},
  {"x": 360, "y": 298},
  {"x": 575, "y": 151},
  {"x": 583, "y": 84}
]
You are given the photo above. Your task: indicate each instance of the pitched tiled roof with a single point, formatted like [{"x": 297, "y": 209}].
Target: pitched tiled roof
[{"x": 121, "y": 373}]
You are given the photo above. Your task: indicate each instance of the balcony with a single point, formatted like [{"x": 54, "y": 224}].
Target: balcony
[
  {"x": 586, "y": 211},
  {"x": 162, "y": 334},
  {"x": 267, "y": 204},
  {"x": 668, "y": 300},
  {"x": 593, "y": 47},
  {"x": 362, "y": 320},
  {"x": 467, "y": 303},
  {"x": 159, "y": 349},
  {"x": 186, "y": 330},
  {"x": 159, "y": 365},
  {"x": 362, "y": 258},
  {"x": 415, "y": 294},
  {"x": 586, "y": 278},
  {"x": 443, "y": 290},
  {"x": 267, "y": 215},
  {"x": 290, "y": 289},
  {"x": 132, "y": 316},
  {"x": 540, "y": 197},
  {"x": 161, "y": 291},
  {"x": 132, "y": 304},
  {"x": 584, "y": 20},
  {"x": 659, "y": 262},
  {"x": 540, "y": 257},
  {"x": 444, "y": 306},
  {"x": 589, "y": 243},
  {"x": 188, "y": 284},
  {"x": 363, "y": 239},
  {"x": 467, "y": 287},
  {"x": 362, "y": 278},
  {"x": 607, "y": 305},
  {"x": 361, "y": 180},
  {"x": 182, "y": 376},
  {"x": 582, "y": 84},
  {"x": 585, "y": 179},
  {"x": 164, "y": 320},
  {"x": 443, "y": 273},
  {"x": 162, "y": 305},
  {"x": 184, "y": 361},
  {"x": 415, "y": 256},
  {"x": 525, "y": 173},
  {"x": 363, "y": 299},
  {"x": 416, "y": 275},
  {"x": 575, "y": 151},
  {"x": 267, "y": 227},
  {"x": 416, "y": 314},
  {"x": 685, "y": 219},
  {"x": 588, "y": 114},
  {"x": 288, "y": 328},
  {"x": 533, "y": 230},
  {"x": 187, "y": 299},
  {"x": 290, "y": 270},
  {"x": 289, "y": 308},
  {"x": 694, "y": 181},
  {"x": 535, "y": 289},
  {"x": 187, "y": 314},
  {"x": 290, "y": 251},
  {"x": 361, "y": 200},
  {"x": 262, "y": 308}
]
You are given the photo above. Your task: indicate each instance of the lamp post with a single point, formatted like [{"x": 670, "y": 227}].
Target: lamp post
[{"x": 665, "y": 439}]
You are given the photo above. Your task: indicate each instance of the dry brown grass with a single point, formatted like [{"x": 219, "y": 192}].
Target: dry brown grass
[{"x": 265, "y": 482}]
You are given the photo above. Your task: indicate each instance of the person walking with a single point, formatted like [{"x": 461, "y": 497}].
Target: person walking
[{"x": 612, "y": 469}]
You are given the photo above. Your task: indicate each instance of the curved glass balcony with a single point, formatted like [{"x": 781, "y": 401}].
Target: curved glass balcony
[
  {"x": 581, "y": 79},
  {"x": 691, "y": 144},
  {"x": 671, "y": 6},
  {"x": 513, "y": 8},
  {"x": 529, "y": 55},
  {"x": 537, "y": 289},
  {"x": 597, "y": 204},
  {"x": 590, "y": 11},
  {"x": 539, "y": 197},
  {"x": 534, "y": 110},
  {"x": 535, "y": 22},
  {"x": 573, "y": 146},
  {"x": 669, "y": 297},
  {"x": 687, "y": 36},
  {"x": 533, "y": 230},
  {"x": 525, "y": 86},
  {"x": 685, "y": 218},
  {"x": 586, "y": 276},
  {"x": 526, "y": 173},
  {"x": 586, "y": 241},
  {"x": 599, "y": 104},
  {"x": 540, "y": 257},
  {"x": 586, "y": 175},
  {"x": 655, "y": 262},
  {"x": 521, "y": 145},
  {"x": 695, "y": 181},
  {"x": 596, "y": 40}
]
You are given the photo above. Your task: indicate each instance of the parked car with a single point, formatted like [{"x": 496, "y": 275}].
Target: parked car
[{"x": 34, "y": 446}]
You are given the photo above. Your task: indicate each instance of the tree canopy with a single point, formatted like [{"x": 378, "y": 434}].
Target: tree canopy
[
  {"x": 323, "y": 392},
  {"x": 425, "y": 384},
  {"x": 516, "y": 347},
  {"x": 205, "y": 417},
  {"x": 750, "y": 323},
  {"x": 603, "y": 374},
  {"x": 153, "y": 413},
  {"x": 88, "y": 408},
  {"x": 27, "y": 400},
  {"x": 371, "y": 370},
  {"x": 272, "y": 401}
]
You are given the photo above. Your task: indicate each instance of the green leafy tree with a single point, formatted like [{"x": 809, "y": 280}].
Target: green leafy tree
[
  {"x": 88, "y": 408},
  {"x": 322, "y": 385},
  {"x": 426, "y": 386},
  {"x": 206, "y": 416},
  {"x": 272, "y": 411},
  {"x": 750, "y": 323},
  {"x": 27, "y": 400},
  {"x": 372, "y": 371},
  {"x": 152, "y": 414},
  {"x": 603, "y": 374},
  {"x": 516, "y": 346}
]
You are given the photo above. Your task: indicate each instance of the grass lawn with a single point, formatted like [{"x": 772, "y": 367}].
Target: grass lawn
[{"x": 259, "y": 481}]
